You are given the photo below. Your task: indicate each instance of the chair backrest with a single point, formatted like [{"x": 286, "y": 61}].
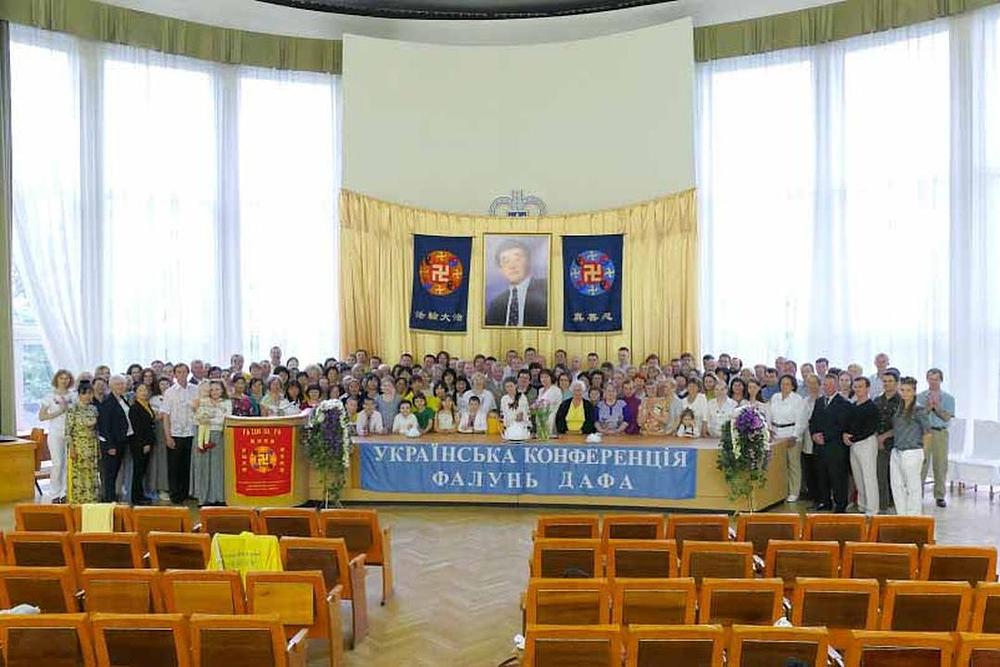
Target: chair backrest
[
  {"x": 568, "y": 602},
  {"x": 839, "y": 605},
  {"x": 360, "y": 529},
  {"x": 568, "y": 527},
  {"x": 161, "y": 519},
  {"x": 325, "y": 554},
  {"x": 567, "y": 559},
  {"x": 289, "y": 521},
  {"x": 641, "y": 559},
  {"x": 33, "y": 640},
  {"x": 580, "y": 646},
  {"x": 41, "y": 441},
  {"x": 986, "y": 440},
  {"x": 986, "y": 608},
  {"x": 789, "y": 559},
  {"x": 719, "y": 560},
  {"x": 48, "y": 518},
  {"x": 926, "y": 606},
  {"x": 123, "y": 518},
  {"x": 117, "y": 591},
  {"x": 869, "y": 560},
  {"x": 178, "y": 551},
  {"x": 895, "y": 529},
  {"x": 697, "y": 527},
  {"x": 228, "y": 520},
  {"x": 977, "y": 650},
  {"x": 107, "y": 550},
  {"x": 297, "y": 598},
  {"x": 840, "y": 527},
  {"x": 873, "y": 648},
  {"x": 141, "y": 640},
  {"x": 633, "y": 527},
  {"x": 752, "y": 645},
  {"x": 654, "y": 601},
  {"x": 39, "y": 549},
  {"x": 51, "y": 589},
  {"x": 740, "y": 601},
  {"x": 760, "y": 527},
  {"x": 958, "y": 563},
  {"x": 688, "y": 645},
  {"x": 237, "y": 640},
  {"x": 203, "y": 592},
  {"x": 956, "y": 435}
]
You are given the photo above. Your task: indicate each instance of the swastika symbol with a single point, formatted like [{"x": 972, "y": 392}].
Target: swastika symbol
[
  {"x": 592, "y": 273},
  {"x": 440, "y": 273}
]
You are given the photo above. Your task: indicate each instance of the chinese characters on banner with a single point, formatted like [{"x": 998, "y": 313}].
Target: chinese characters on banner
[
  {"x": 592, "y": 283},
  {"x": 441, "y": 267},
  {"x": 263, "y": 460}
]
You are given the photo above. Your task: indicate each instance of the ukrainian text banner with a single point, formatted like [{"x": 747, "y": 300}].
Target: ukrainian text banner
[
  {"x": 440, "y": 283},
  {"x": 592, "y": 283}
]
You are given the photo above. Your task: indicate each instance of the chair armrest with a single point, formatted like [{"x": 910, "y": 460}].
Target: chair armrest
[
  {"x": 358, "y": 561},
  {"x": 758, "y": 563},
  {"x": 80, "y": 595},
  {"x": 786, "y": 605},
  {"x": 196, "y": 528},
  {"x": 296, "y": 649},
  {"x": 335, "y": 594},
  {"x": 833, "y": 655},
  {"x": 732, "y": 535}
]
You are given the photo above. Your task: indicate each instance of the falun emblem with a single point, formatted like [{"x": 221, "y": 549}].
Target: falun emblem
[
  {"x": 263, "y": 459},
  {"x": 592, "y": 273},
  {"x": 441, "y": 273}
]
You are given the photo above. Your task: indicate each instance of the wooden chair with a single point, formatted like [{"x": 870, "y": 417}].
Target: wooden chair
[
  {"x": 51, "y": 589},
  {"x": 289, "y": 521},
  {"x": 567, "y": 559},
  {"x": 141, "y": 640},
  {"x": 917, "y": 530},
  {"x": 568, "y": 527},
  {"x": 899, "y": 649},
  {"x": 840, "y": 527},
  {"x": 839, "y": 605},
  {"x": 730, "y": 602},
  {"x": 568, "y": 602},
  {"x": 340, "y": 572},
  {"x": 986, "y": 608},
  {"x": 160, "y": 519},
  {"x": 178, "y": 551},
  {"x": 245, "y": 640},
  {"x": 37, "y": 640},
  {"x": 977, "y": 650},
  {"x": 301, "y": 604},
  {"x": 42, "y": 456},
  {"x": 760, "y": 528},
  {"x": 116, "y": 591},
  {"x": 228, "y": 520},
  {"x": 926, "y": 606},
  {"x": 718, "y": 560},
  {"x": 29, "y": 517},
  {"x": 653, "y": 602},
  {"x": 641, "y": 559},
  {"x": 107, "y": 550},
  {"x": 790, "y": 559},
  {"x": 580, "y": 646},
  {"x": 688, "y": 645},
  {"x": 956, "y": 563},
  {"x": 361, "y": 531},
  {"x": 203, "y": 592},
  {"x": 868, "y": 560},
  {"x": 123, "y": 518},
  {"x": 39, "y": 549},
  {"x": 697, "y": 527},
  {"x": 633, "y": 527},
  {"x": 753, "y": 645}
]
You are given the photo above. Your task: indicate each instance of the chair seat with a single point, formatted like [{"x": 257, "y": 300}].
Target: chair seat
[{"x": 977, "y": 471}]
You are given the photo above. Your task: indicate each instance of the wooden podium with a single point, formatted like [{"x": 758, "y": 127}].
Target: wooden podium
[{"x": 266, "y": 462}]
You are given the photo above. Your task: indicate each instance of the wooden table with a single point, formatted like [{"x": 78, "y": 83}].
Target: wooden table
[{"x": 17, "y": 471}]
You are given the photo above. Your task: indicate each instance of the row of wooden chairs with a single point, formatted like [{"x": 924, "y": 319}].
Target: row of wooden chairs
[
  {"x": 748, "y": 646},
  {"x": 148, "y": 640},
  {"x": 787, "y": 559}
]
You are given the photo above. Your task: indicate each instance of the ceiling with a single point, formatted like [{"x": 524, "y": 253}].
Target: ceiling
[{"x": 463, "y": 9}]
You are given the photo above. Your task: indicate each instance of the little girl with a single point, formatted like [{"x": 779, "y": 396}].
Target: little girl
[
  {"x": 424, "y": 415},
  {"x": 445, "y": 420},
  {"x": 687, "y": 428},
  {"x": 404, "y": 421}
]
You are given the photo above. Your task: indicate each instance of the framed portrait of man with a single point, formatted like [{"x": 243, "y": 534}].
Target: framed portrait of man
[{"x": 516, "y": 285}]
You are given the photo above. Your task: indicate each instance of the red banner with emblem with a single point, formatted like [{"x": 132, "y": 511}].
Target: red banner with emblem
[{"x": 264, "y": 457}]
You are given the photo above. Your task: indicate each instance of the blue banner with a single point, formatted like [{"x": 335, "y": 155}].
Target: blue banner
[
  {"x": 440, "y": 283},
  {"x": 665, "y": 472},
  {"x": 592, "y": 283}
]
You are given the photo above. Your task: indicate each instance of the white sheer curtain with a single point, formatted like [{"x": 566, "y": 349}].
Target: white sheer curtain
[{"x": 845, "y": 209}]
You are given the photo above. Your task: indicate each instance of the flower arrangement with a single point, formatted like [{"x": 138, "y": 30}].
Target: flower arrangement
[
  {"x": 743, "y": 453},
  {"x": 328, "y": 445},
  {"x": 541, "y": 411}
]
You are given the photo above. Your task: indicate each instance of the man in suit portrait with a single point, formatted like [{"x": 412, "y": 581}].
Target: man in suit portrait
[{"x": 525, "y": 300}]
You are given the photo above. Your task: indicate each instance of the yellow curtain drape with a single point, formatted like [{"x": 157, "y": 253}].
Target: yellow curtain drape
[{"x": 660, "y": 292}]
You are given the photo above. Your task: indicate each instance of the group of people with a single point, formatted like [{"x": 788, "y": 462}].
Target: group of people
[{"x": 156, "y": 432}]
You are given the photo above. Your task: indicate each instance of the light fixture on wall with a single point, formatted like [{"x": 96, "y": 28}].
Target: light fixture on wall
[{"x": 518, "y": 205}]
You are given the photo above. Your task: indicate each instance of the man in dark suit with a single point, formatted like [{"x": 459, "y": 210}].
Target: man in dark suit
[
  {"x": 114, "y": 431},
  {"x": 525, "y": 302},
  {"x": 826, "y": 426}
]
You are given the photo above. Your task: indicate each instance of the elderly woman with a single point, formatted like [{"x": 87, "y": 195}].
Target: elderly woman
[
  {"x": 576, "y": 415},
  {"x": 654, "y": 413},
  {"x": 487, "y": 401}
]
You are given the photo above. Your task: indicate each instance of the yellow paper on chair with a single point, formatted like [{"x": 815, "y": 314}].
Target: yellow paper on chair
[
  {"x": 97, "y": 518},
  {"x": 244, "y": 553}
]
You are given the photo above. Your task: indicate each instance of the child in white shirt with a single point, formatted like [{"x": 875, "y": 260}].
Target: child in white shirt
[
  {"x": 474, "y": 419},
  {"x": 405, "y": 420},
  {"x": 369, "y": 420},
  {"x": 687, "y": 428}
]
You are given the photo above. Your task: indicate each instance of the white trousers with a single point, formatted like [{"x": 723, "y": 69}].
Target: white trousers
[
  {"x": 907, "y": 484},
  {"x": 56, "y": 441},
  {"x": 864, "y": 467}
]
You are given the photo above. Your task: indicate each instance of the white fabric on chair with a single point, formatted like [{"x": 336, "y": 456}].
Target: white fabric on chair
[{"x": 982, "y": 466}]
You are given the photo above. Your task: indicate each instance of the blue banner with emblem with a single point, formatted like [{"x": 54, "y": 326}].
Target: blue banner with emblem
[
  {"x": 440, "y": 283},
  {"x": 592, "y": 283}
]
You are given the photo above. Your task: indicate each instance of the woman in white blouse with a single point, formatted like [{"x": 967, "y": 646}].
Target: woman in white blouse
[
  {"x": 720, "y": 411},
  {"x": 275, "y": 404},
  {"x": 786, "y": 418},
  {"x": 513, "y": 404},
  {"x": 695, "y": 400},
  {"x": 809, "y": 459},
  {"x": 551, "y": 394},
  {"x": 53, "y": 410}
]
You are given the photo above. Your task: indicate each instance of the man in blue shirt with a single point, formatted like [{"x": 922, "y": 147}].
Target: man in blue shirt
[
  {"x": 940, "y": 406},
  {"x": 771, "y": 386}
]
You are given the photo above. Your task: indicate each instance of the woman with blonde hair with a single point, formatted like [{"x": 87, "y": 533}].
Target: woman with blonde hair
[{"x": 53, "y": 410}]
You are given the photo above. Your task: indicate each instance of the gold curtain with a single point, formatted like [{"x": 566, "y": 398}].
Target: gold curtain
[{"x": 660, "y": 292}]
